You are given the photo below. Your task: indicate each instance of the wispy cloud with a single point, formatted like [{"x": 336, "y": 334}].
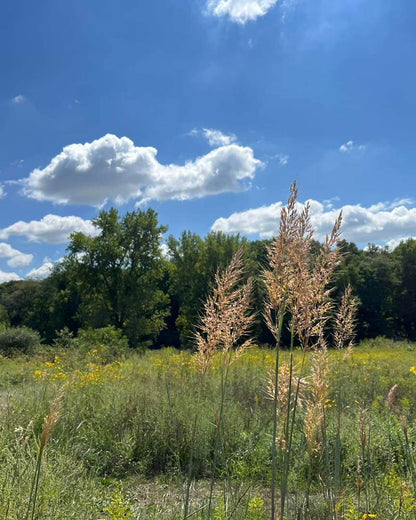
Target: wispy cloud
[
  {"x": 350, "y": 146},
  {"x": 217, "y": 138},
  {"x": 282, "y": 158},
  {"x": 18, "y": 100},
  {"x": 214, "y": 137}
]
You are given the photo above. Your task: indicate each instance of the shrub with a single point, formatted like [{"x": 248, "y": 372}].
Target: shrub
[
  {"x": 64, "y": 339},
  {"x": 18, "y": 340},
  {"x": 110, "y": 342}
]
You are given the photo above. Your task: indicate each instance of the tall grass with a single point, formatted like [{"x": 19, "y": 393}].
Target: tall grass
[{"x": 124, "y": 428}]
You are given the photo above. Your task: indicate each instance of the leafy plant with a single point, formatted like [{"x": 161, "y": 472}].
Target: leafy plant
[
  {"x": 18, "y": 340},
  {"x": 119, "y": 507}
]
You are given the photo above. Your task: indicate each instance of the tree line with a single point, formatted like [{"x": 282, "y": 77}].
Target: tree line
[{"x": 121, "y": 278}]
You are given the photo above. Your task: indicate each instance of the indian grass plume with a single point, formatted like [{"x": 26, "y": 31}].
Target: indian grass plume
[
  {"x": 50, "y": 422},
  {"x": 297, "y": 286},
  {"x": 363, "y": 422},
  {"x": 48, "y": 425},
  {"x": 392, "y": 398},
  {"x": 286, "y": 381},
  {"x": 280, "y": 277},
  {"x": 286, "y": 378},
  {"x": 286, "y": 257},
  {"x": 318, "y": 389},
  {"x": 227, "y": 317},
  {"x": 311, "y": 303},
  {"x": 225, "y": 327},
  {"x": 345, "y": 320}
]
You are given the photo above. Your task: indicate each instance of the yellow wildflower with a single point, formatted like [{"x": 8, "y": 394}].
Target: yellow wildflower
[{"x": 38, "y": 374}]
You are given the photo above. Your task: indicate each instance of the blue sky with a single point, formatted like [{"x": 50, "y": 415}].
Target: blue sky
[{"x": 205, "y": 110}]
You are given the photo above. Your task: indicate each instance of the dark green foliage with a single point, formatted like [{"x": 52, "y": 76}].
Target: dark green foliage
[
  {"x": 385, "y": 284},
  {"x": 4, "y": 318},
  {"x": 109, "y": 341},
  {"x": 194, "y": 262},
  {"x": 17, "y": 298},
  {"x": 119, "y": 278},
  {"x": 117, "y": 273},
  {"x": 405, "y": 297},
  {"x": 18, "y": 340}
]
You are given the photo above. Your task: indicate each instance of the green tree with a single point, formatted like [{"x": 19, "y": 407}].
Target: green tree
[
  {"x": 405, "y": 255},
  {"x": 55, "y": 305},
  {"x": 18, "y": 297},
  {"x": 372, "y": 274},
  {"x": 194, "y": 262},
  {"x": 4, "y": 318},
  {"x": 118, "y": 273}
]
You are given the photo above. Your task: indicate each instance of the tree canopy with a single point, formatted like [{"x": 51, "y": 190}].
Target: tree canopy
[
  {"x": 119, "y": 277},
  {"x": 117, "y": 273}
]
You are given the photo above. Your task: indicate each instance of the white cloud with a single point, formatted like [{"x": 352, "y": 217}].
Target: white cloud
[
  {"x": 20, "y": 260},
  {"x": 350, "y": 146},
  {"x": 378, "y": 223},
  {"x": 16, "y": 258},
  {"x": 51, "y": 229},
  {"x": 41, "y": 272},
  {"x": 113, "y": 168},
  {"x": 217, "y": 138},
  {"x": 2, "y": 192},
  {"x": 392, "y": 244},
  {"x": 283, "y": 159},
  {"x": 8, "y": 277},
  {"x": 164, "y": 248},
  {"x": 240, "y": 11},
  {"x": 18, "y": 100}
]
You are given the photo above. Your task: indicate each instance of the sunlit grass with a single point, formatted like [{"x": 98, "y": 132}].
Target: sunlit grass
[{"x": 131, "y": 419}]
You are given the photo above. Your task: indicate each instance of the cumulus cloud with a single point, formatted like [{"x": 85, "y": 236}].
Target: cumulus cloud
[
  {"x": 381, "y": 222},
  {"x": 240, "y": 11},
  {"x": 41, "y": 272},
  {"x": 16, "y": 258},
  {"x": 217, "y": 138},
  {"x": 8, "y": 277},
  {"x": 350, "y": 146},
  {"x": 51, "y": 229},
  {"x": 113, "y": 168}
]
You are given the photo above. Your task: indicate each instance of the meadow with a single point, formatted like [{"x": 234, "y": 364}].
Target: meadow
[
  {"x": 136, "y": 436},
  {"x": 311, "y": 427}
]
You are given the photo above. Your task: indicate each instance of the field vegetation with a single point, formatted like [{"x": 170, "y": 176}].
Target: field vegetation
[
  {"x": 307, "y": 427},
  {"x": 134, "y": 430}
]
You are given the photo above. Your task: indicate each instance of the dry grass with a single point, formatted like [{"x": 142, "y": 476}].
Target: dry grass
[{"x": 227, "y": 318}]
